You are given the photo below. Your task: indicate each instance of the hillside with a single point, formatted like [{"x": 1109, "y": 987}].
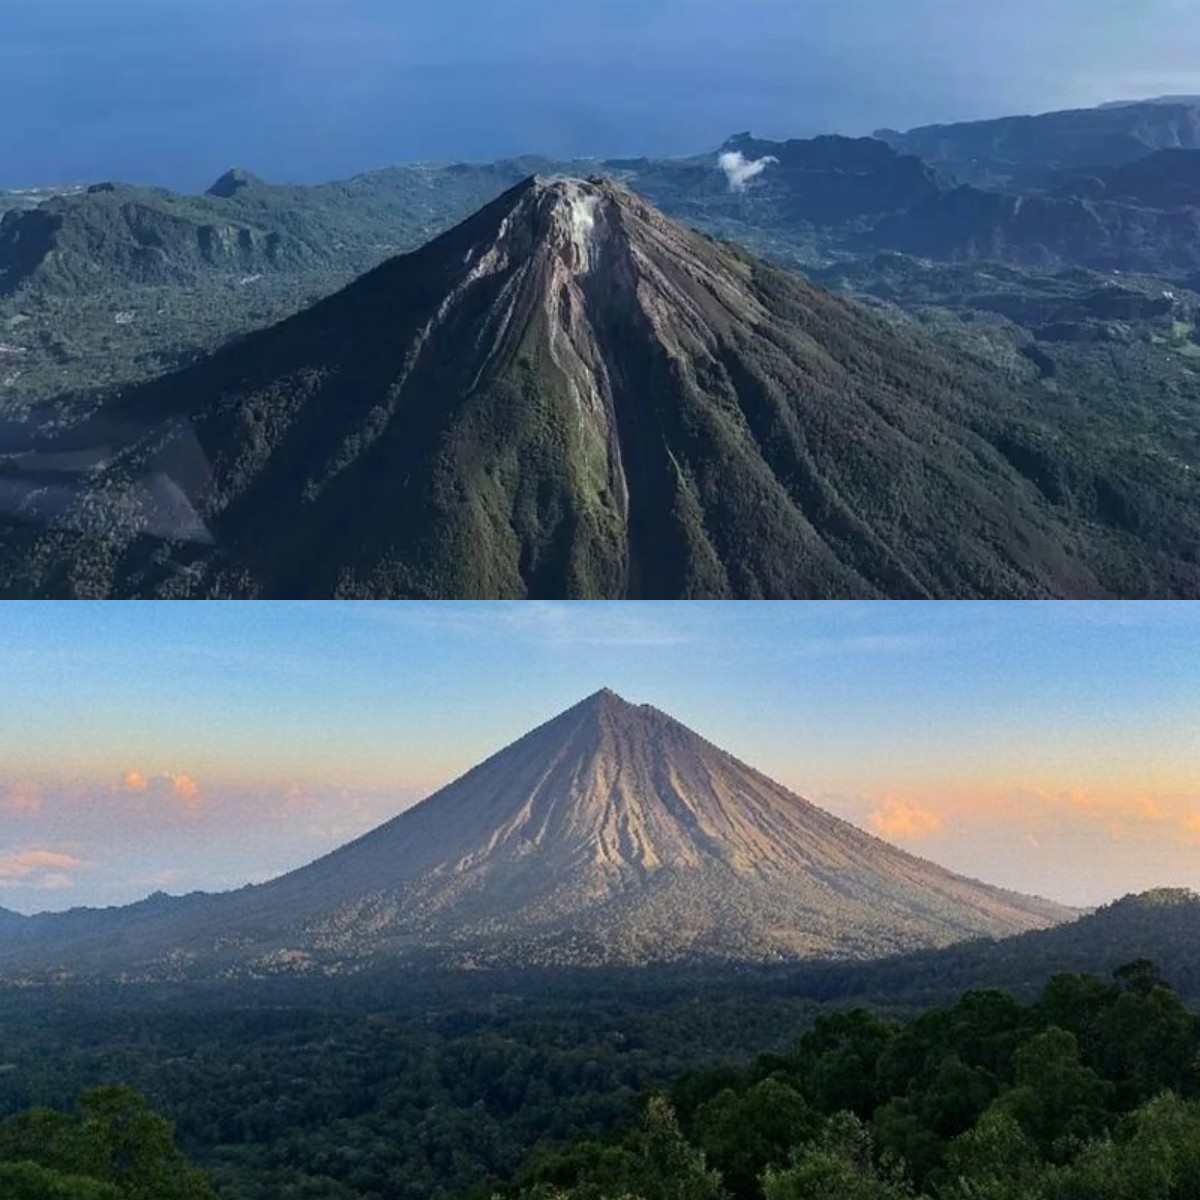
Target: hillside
[
  {"x": 610, "y": 835},
  {"x": 1162, "y": 926},
  {"x": 1167, "y": 179},
  {"x": 111, "y": 284},
  {"x": 124, "y": 234},
  {"x": 1118, "y": 234}
]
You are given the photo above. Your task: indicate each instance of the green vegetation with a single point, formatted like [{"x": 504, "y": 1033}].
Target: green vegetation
[
  {"x": 1090, "y": 1092},
  {"x": 1163, "y": 925},
  {"x": 114, "y": 1148},
  {"x": 1090, "y": 409},
  {"x": 106, "y": 286},
  {"x": 432, "y": 1087},
  {"x": 455, "y": 1086}
]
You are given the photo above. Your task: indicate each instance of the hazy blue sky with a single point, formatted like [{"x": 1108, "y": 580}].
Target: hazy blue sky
[
  {"x": 175, "y": 91},
  {"x": 1051, "y": 747}
]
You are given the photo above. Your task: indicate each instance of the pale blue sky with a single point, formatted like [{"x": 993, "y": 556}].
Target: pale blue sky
[
  {"x": 1052, "y": 747},
  {"x": 175, "y": 91}
]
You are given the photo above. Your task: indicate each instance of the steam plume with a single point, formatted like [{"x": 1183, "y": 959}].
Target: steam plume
[{"x": 739, "y": 170}]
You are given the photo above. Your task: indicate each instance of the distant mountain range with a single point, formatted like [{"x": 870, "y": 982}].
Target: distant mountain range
[
  {"x": 1026, "y": 151},
  {"x": 111, "y": 233},
  {"x": 1144, "y": 217},
  {"x": 610, "y": 835},
  {"x": 570, "y": 395},
  {"x": 104, "y": 286},
  {"x": 1193, "y": 101},
  {"x": 1164, "y": 180}
]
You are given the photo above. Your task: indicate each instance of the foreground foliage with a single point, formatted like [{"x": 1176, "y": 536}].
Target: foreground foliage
[
  {"x": 1088, "y": 1093},
  {"x": 114, "y": 1148},
  {"x": 455, "y": 1087},
  {"x": 380, "y": 1089}
]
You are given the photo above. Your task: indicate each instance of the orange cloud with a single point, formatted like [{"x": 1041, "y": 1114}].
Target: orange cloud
[
  {"x": 180, "y": 787},
  {"x": 52, "y": 866},
  {"x": 1128, "y": 814},
  {"x": 20, "y": 799},
  {"x": 904, "y": 820},
  {"x": 1123, "y": 813},
  {"x": 185, "y": 789}
]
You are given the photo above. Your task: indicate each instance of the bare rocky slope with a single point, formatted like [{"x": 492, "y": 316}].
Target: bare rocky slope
[{"x": 611, "y": 834}]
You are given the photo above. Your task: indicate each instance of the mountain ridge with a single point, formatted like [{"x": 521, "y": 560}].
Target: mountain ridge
[{"x": 1019, "y": 151}]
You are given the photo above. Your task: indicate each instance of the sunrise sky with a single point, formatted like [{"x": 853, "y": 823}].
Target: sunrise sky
[{"x": 1053, "y": 748}]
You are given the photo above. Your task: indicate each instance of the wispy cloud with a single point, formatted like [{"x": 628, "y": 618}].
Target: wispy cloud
[
  {"x": 1032, "y": 811},
  {"x": 865, "y": 644},
  {"x": 904, "y": 820},
  {"x": 20, "y": 799},
  {"x": 558, "y": 623},
  {"x": 39, "y": 867},
  {"x": 574, "y": 624},
  {"x": 1129, "y": 815},
  {"x": 179, "y": 787}
]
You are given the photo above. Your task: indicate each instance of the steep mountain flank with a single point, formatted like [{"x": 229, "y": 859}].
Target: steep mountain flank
[
  {"x": 610, "y": 834},
  {"x": 570, "y": 395}
]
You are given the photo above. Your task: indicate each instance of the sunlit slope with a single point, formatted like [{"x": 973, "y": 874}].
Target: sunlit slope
[{"x": 611, "y": 834}]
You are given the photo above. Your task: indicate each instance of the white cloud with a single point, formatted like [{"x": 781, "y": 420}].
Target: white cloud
[{"x": 739, "y": 170}]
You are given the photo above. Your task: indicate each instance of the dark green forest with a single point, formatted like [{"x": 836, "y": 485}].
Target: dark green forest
[
  {"x": 434, "y": 1089},
  {"x": 114, "y": 1147},
  {"x": 732, "y": 1090},
  {"x": 1090, "y": 1092}
]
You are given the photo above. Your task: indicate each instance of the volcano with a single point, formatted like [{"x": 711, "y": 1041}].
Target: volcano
[
  {"x": 610, "y": 835},
  {"x": 567, "y": 395}
]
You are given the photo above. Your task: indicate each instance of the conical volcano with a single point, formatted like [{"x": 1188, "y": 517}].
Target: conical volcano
[
  {"x": 611, "y": 834},
  {"x": 615, "y": 833},
  {"x": 567, "y": 395}
]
